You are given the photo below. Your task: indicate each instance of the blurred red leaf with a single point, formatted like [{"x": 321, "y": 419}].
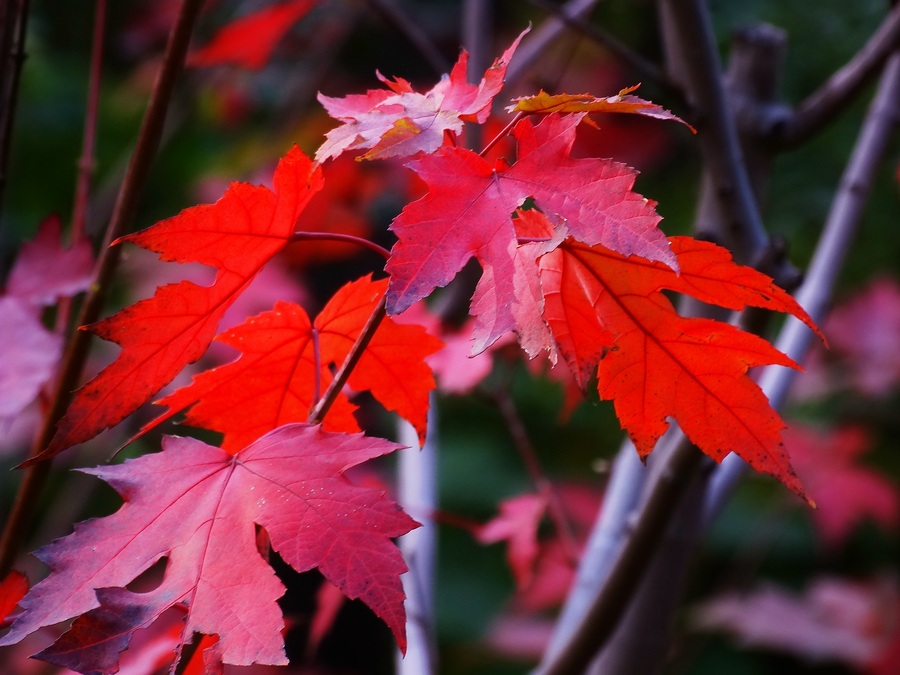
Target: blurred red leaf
[
  {"x": 845, "y": 491},
  {"x": 833, "y": 620},
  {"x": 250, "y": 40},
  {"x": 517, "y": 525},
  {"x": 865, "y": 332},
  {"x": 43, "y": 273}
]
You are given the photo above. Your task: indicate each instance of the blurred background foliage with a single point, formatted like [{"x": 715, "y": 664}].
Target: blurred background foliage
[{"x": 232, "y": 124}]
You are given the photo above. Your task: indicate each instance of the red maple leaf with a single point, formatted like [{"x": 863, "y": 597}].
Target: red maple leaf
[
  {"x": 198, "y": 506},
  {"x": 604, "y": 307},
  {"x": 283, "y": 356},
  {"x": 399, "y": 122},
  {"x": 468, "y": 212},
  {"x": 237, "y": 235},
  {"x": 250, "y": 40}
]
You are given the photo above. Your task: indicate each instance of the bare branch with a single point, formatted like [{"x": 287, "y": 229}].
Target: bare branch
[
  {"x": 412, "y": 32},
  {"x": 607, "y": 607},
  {"x": 643, "y": 68},
  {"x": 829, "y": 100},
  {"x": 840, "y": 228},
  {"x": 548, "y": 32},
  {"x": 14, "y": 15}
]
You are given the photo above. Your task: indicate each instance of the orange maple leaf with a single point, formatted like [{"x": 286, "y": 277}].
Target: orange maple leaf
[{"x": 603, "y": 307}]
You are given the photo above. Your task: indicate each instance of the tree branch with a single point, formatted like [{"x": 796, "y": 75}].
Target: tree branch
[
  {"x": 691, "y": 28},
  {"x": 829, "y": 100},
  {"x": 633, "y": 560},
  {"x": 549, "y": 31},
  {"x": 840, "y": 229},
  {"x": 643, "y": 68},
  {"x": 409, "y": 29},
  {"x": 12, "y": 52}
]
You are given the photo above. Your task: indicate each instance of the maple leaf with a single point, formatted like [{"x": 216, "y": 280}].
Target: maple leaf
[
  {"x": 468, "y": 209},
  {"x": 844, "y": 491},
  {"x": 250, "y": 40},
  {"x": 399, "y": 122},
  {"x": 604, "y": 307},
  {"x": 237, "y": 235},
  {"x": 832, "y": 620},
  {"x": 517, "y": 524},
  {"x": 198, "y": 506},
  {"x": 43, "y": 273},
  {"x": 623, "y": 102},
  {"x": 273, "y": 382}
]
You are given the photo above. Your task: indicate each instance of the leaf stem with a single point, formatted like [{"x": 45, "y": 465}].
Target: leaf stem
[
  {"x": 504, "y": 132},
  {"x": 346, "y": 238},
  {"x": 317, "y": 414},
  {"x": 122, "y": 218}
]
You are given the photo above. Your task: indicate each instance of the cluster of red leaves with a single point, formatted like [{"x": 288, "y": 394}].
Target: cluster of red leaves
[{"x": 573, "y": 262}]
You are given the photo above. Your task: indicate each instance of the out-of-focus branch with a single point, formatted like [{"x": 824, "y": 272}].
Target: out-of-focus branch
[
  {"x": 633, "y": 560},
  {"x": 643, "y": 68},
  {"x": 548, "y": 32},
  {"x": 840, "y": 228},
  {"x": 417, "y": 494},
  {"x": 404, "y": 25},
  {"x": 13, "y": 21},
  {"x": 827, "y": 102},
  {"x": 700, "y": 72}
]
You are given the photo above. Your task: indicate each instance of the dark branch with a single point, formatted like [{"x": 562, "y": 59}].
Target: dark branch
[{"x": 829, "y": 100}]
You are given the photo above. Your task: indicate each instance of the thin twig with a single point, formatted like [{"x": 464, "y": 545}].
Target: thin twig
[
  {"x": 551, "y": 30},
  {"x": 12, "y": 53},
  {"x": 412, "y": 32},
  {"x": 86, "y": 161},
  {"x": 833, "y": 97},
  {"x": 123, "y": 216},
  {"x": 527, "y": 452},
  {"x": 88, "y": 139},
  {"x": 323, "y": 405},
  {"x": 344, "y": 238},
  {"x": 643, "y": 68}
]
